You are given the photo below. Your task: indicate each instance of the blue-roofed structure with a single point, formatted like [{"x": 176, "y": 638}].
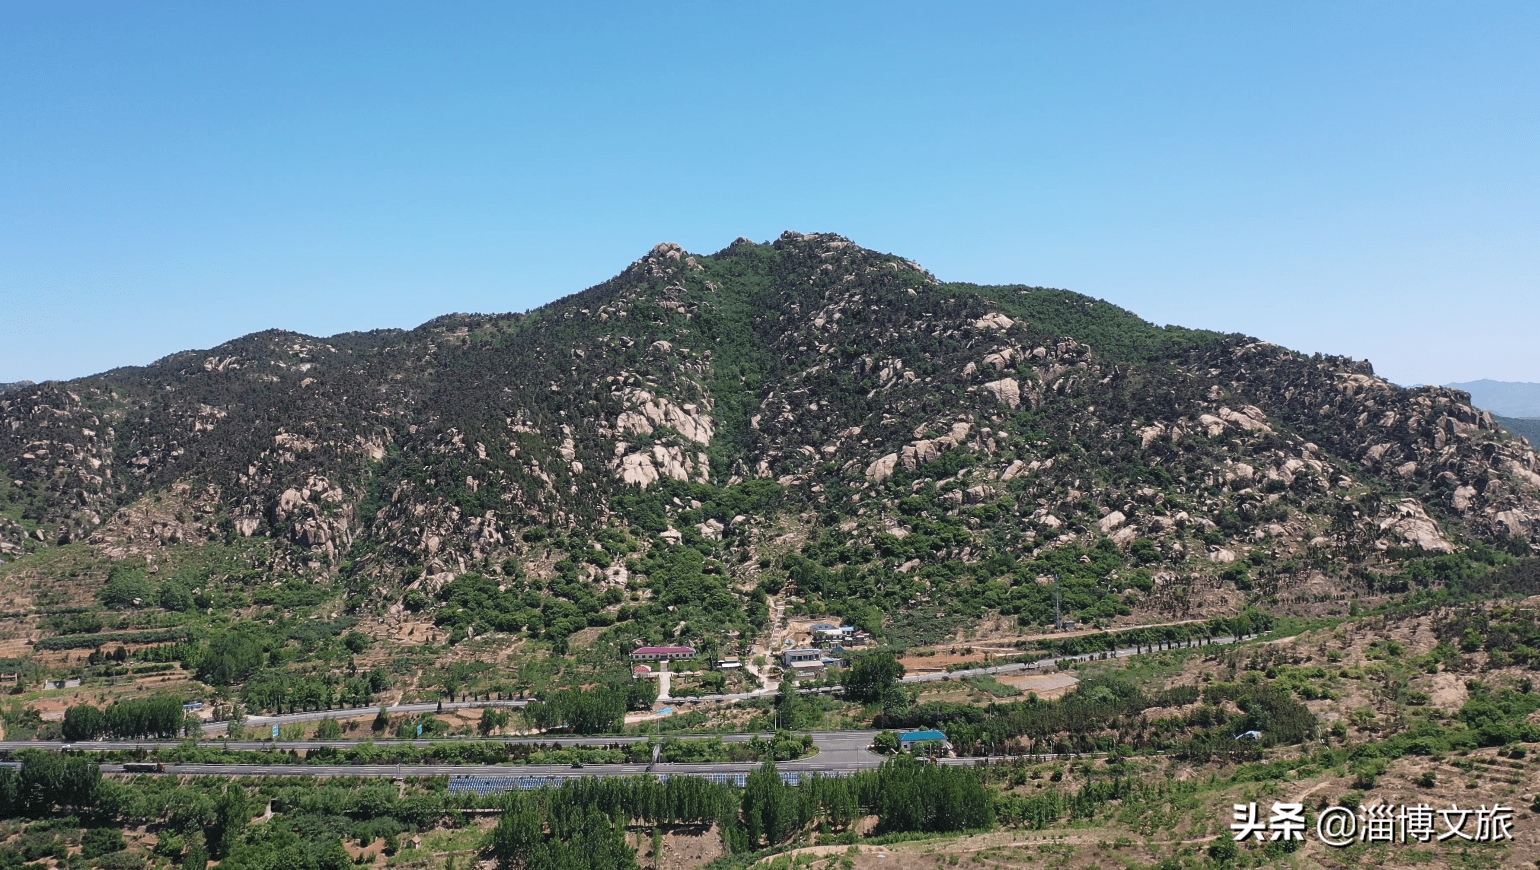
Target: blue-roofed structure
[{"x": 909, "y": 739}]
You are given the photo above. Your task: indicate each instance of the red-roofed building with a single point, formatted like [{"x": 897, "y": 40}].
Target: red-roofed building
[{"x": 656, "y": 653}]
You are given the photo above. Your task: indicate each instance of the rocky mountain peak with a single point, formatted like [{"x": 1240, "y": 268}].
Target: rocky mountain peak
[{"x": 808, "y": 412}]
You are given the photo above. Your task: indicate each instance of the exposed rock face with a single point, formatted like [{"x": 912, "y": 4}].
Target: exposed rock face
[
  {"x": 1111, "y": 521},
  {"x": 647, "y": 468},
  {"x": 1408, "y": 520},
  {"x": 1517, "y": 523},
  {"x": 882, "y": 469},
  {"x": 651, "y": 412},
  {"x": 637, "y": 468},
  {"x": 1007, "y": 391}
]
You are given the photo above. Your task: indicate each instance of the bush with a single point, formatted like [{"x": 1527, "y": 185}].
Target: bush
[
  {"x": 1223, "y": 850},
  {"x": 121, "y": 861},
  {"x": 127, "y": 587},
  {"x": 97, "y": 842}
]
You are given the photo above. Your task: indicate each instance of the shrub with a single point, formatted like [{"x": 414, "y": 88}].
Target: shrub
[
  {"x": 97, "y": 842},
  {"x": 121, "y": 861}
]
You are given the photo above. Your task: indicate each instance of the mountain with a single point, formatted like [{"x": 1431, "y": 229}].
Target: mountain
[
  {"x": 649, "y": 457},
  {"x": 1508, "y": 398},
  {"x": 1525, "y": 427}
]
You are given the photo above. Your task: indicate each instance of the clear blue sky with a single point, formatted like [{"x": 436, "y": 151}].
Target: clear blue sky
[{"x": 1349, "y": 178}]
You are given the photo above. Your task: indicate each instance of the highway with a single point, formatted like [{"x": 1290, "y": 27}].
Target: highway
[
  {"x": 826, "y": 741},
  {"x": 1120, "y": 652},
  {"x": 838, "y": 752}
]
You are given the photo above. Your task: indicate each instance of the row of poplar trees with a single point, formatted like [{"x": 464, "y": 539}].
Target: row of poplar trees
[
  {"x": 581, "y": 826},
  {"x": 140, "y": 717}
]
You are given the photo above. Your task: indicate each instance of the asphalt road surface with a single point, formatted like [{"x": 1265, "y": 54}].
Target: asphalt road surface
[
  {"x": 838, "y": 752},
  {"x": 1121, "y": 652}
]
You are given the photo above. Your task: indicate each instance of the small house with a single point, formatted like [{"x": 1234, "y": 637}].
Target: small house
[
  {"x": 791, "y": 657},
  {"x": 662, "y": 653}
]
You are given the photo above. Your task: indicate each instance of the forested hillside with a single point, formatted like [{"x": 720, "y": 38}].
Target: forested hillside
[{"x": 650, "y": 457}]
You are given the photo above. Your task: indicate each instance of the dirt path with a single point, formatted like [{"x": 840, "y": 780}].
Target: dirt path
[{"x": 772, "y": 644}]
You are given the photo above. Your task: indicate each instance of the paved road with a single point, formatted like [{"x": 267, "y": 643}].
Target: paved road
[
  {"x": 1121, "y": 652},
  {"x": 839, "y": 752},
  {"x": 846, "y": 746}
]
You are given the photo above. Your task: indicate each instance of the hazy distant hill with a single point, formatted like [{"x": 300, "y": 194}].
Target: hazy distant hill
[
  {"x": 1528, "y": 427},
  {"x": 16, "y": 385},
  {"x": 1508, "y": 398}
]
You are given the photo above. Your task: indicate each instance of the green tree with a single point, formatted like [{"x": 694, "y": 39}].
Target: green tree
[
  {"x": 870, "y": 679},
  {"x": 886, "y": 743},
  {"x": 197, "y": 855},
  {"x": 641, "y": 694},
  {"x": 232, "y": 813},
  {"x": 175, "y": 597},
  {"x": 769, "y": 806},
  {"x": 231, "y": 658},
  {"x": 518, "y": 833},
  {"x": 127, "y": 586},
  {"x": 84, "y": 722},
  {"x": 492, "y": 721},
  {"x": 47, "y": 782}
]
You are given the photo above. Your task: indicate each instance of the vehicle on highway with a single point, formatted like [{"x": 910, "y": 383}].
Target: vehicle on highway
[
  {"x": 577, "y": 764},
  {"x": 144, "y": 767}
]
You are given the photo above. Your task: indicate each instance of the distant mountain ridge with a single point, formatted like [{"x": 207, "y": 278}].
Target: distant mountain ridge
[
  {"x": 1526, "y": 427},
  {"x": 1508, "y": 398}
]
